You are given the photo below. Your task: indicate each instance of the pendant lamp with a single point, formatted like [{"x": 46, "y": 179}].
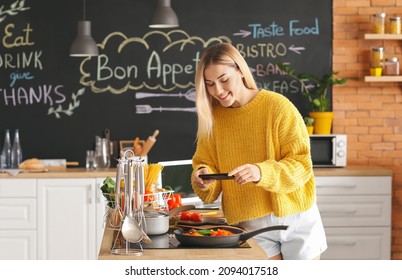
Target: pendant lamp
[
  {"x": 164, "y": 16},
  {"x": 84, "y": 44}
]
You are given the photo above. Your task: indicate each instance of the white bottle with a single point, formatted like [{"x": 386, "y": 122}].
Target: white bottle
[
  {"x": 6, "y": 152},
  {"x": 16, "y": 151}
]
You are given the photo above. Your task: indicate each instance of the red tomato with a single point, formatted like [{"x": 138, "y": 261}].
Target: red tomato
[
  {"x": 174, "y": 205},
  {"x": 185, "y": 216},
  {"x": 196, "y": 217},
  {"x": 148, "y": 196},
  {"x": 177, "y": 197}
]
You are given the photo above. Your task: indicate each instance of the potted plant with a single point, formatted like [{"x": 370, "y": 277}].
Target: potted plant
[
  {"x": 315, "y": 88},
  {"x": 309, "y": 124}
]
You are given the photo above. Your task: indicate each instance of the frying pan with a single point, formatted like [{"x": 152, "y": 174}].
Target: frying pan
[{"x": 239, "y": 236}]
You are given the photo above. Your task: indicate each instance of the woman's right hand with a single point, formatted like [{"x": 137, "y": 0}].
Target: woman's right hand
[{"x": 200, "y": 183}]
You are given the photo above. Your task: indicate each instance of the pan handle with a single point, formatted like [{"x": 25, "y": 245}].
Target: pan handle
[{"x": 248, "y": 235}]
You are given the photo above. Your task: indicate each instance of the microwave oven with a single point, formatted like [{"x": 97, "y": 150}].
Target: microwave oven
[{"x": 328, "y": 150}]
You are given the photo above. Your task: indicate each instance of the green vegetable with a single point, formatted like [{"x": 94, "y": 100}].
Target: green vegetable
[
  {"x": 108, "y": 191},
  {"x": 204, "y": 231}
]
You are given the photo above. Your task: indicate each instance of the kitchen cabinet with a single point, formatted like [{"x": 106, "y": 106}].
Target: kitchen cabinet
[
  {"x": 70, "y": 215},
  {"x": 18, "y": 216},
  {"x": 356, "y": 213},
  {"x": 383, "y": 37}
]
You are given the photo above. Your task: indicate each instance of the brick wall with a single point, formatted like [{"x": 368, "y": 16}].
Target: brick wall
[{"x": 369, "y": 113}]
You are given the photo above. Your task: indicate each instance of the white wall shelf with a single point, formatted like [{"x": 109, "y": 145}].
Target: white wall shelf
[
  {"x": 383, "y": 79},
  {"x": 383, "y": 36}
]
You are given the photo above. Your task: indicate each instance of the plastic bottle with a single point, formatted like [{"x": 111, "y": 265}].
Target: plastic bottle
[
  {"x": 16, "y": 151},
  {"x": 6, "y": 152}
]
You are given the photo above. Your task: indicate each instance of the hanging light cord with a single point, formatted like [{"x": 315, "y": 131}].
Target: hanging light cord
[{"x": 83, "y": 10}]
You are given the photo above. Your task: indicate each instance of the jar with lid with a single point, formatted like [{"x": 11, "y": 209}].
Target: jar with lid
[
  {"x": 395, "y": 25},
  {"x": 376, "y": 57},
  {"x": 391, "y": 66},
  {"x": 379, "y": 23}
]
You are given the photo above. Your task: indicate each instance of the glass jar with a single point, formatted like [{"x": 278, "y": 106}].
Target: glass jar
[
  {"x": 379, "y": 23},
  {"x": 395, "y": 25},
  {"x": 376, "y": 57},
  {"x": 391, "y": 66}
]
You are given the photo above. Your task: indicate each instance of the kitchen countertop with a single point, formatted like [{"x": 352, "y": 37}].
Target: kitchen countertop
[
  {"x": 84, "y": 173},
  {"x": 253, "y": 253}
]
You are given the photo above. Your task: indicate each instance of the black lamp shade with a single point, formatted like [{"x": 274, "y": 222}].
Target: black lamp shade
[
  {"x": 84, "y": 44},
  {"x": 164, "y": 16}
]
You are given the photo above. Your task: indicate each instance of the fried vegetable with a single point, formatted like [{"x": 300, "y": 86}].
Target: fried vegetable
[{"x": 208, "y": 232}]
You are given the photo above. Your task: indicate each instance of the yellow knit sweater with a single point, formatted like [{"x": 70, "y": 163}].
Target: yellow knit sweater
[{"x": 269, "y": 132}]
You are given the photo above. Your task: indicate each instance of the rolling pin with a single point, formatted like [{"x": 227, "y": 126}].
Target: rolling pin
[{"x": 149, "y": 143}]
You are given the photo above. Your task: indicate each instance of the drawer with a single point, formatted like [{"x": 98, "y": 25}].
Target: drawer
[
  {"x": 17, "y": 188},
  {"x": 17, "y": 213},
  {"x": 346, "y": 211},
  {"x": 358, "y": 244},
  {"x": 353, "y": 185}
]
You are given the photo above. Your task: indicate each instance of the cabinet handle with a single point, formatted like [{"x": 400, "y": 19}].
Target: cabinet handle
[
  {"x": 342, "y": 243},
  {"x": 89, "y": 196},
  {"x": 337, "y": 186}
]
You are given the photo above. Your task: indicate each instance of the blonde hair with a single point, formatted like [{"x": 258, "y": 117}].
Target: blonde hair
[{"x": 222, "y": 53}]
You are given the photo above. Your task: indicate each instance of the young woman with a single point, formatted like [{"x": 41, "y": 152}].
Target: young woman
[{"x": 260, "y": 138}]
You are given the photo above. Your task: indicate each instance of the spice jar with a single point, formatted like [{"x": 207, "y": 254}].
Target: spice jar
[
  {"x": 395, "y": 25},
  {"x": 391, "y": 67},
  {"x": 379, "y": 23},
  {"x": 376, "y": 57}
]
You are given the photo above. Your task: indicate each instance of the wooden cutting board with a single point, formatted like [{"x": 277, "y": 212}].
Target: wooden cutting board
[{"x": 208, "y": 218}]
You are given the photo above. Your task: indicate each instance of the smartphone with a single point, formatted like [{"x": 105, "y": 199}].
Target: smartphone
[{"x": 218, "y": 176}]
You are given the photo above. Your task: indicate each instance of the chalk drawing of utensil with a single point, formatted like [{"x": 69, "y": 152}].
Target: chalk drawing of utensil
[
  {"x": 189, "y": 95},
  {"x": 147, "y": 109}
]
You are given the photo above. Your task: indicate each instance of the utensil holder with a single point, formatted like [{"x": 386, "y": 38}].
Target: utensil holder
[{"x": 118, "y": 210}]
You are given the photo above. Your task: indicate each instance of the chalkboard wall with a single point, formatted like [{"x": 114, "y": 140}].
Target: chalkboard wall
[{"x": 143, "y": 79}]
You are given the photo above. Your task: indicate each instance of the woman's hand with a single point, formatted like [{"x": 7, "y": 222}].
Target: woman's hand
[
  {"x": 200, "y": 183},
  {"x": 246, "y": 173}
]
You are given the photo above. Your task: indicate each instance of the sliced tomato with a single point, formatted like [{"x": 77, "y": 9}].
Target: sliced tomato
[
  {"x": 196, "y": 217},
  {"x": 185, "y": 216}
]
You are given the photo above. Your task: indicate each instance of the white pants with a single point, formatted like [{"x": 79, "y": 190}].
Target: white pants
[{"x": 303, "y": 240}]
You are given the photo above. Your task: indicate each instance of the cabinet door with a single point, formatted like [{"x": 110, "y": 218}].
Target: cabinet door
[
  {"x": 17, "y": 244},
  {"x": 101, "y": 209},
  {"x": 66, "y": 219}
]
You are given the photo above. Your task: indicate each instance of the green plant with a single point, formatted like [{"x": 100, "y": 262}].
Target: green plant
[
  {"x": 308, "y": 121},
  {"x": 314, "y": 87}
]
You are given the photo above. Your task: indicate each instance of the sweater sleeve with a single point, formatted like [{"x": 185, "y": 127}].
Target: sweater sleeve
[
  {"x": 205, "y": 157},
  {"x": 292, "y": 167}
]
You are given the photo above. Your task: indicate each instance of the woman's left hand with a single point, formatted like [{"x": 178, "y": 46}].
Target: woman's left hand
[{"x": 246, "y": 173}]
